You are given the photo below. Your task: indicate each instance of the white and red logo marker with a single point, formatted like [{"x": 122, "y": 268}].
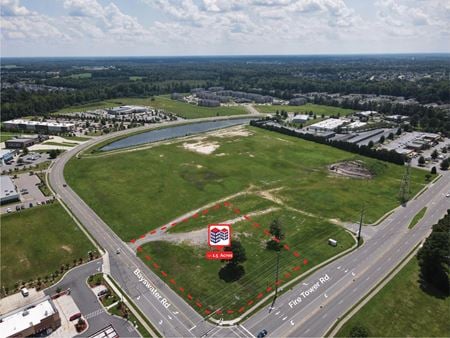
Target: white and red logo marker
[{"x": 219, "y": 236}]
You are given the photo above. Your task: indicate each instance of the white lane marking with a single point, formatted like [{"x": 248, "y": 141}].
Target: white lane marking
[
  {"x": 346, "y": 270},
  {"x": 325, "y": 295},
  {"x": 353, "y": 274},
  {"x": 130, "y": 328},
  {"x": 284, "y": 318},
  {"x": 245, "y": 329},
  {"x": 292, "y": 323},
  {"x": 175, "y": 312},
  {"x": 305, "y": 284},
  {"x": 339, "y": 267},
  {"x": 379, "y": 268},
  {"x": 340, "y": 302},
  {"x": 276, "y": 314},
  {"x": 138, "y": 297},
  {"x": 160, "y": 322},
  {"x": 169, "y": 317},
  {"x": 94, "y": 314}
]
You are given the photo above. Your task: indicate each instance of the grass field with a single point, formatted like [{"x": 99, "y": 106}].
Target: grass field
[
  {"x": 199, "y": 277},
  {"x": 5, "y": 136},
  {"x": 81, "y": 76},
  {"x": 315, "y": 108},
  {"x": 135, "y": 192},
  {"x": 182, "y": 109},
  {"x": 402, "y": 309},
  {"x": 135, "y": 78},
  {"x": 417, "y": 218},
  {"x": 35, "y": 242}
]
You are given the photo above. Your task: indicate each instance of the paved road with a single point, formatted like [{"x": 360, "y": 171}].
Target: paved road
[
  {"x": 340, "y": 284},
  {"x": 87, "y": 301},
  {"x": 176, "y": 320},
  {"x": 312, "y": 307}
]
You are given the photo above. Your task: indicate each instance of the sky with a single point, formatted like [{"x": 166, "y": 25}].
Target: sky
[{"x": 222, "y": 27}]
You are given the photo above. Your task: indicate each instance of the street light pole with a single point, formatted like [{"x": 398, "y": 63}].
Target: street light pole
[{"x": 360, "y": 224}]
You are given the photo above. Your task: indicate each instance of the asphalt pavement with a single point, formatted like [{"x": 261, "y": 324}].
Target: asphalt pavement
[
  {"x": 88, "y": 303},
  {"x": 309, "y": 309}
]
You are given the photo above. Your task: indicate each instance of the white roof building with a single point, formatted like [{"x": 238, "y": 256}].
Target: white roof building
[
  {"x": 38, "y": 125},
  {"x": 22, "y": 320},
  {"x": 300, "y": 118},
  {"x": 8, "y": 191},
  {"x": 327, "y": 125},
  {"x": 356, "y": 124}
]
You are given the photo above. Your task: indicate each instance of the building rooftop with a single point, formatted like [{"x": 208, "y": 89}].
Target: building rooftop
[
  {"x": 25, "y": 317},
  {"x": 328, "y": 124},
  {"x": 7, "y": 187},
  {"x": 40, "y": 123}
]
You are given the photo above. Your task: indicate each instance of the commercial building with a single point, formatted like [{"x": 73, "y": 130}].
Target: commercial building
[
  {"x": 365, "y": 115},
  {"x": 8, "y": 190},
  {"x": 327, "y": 125},
  {"x": 126, "y": 110},
  {"x": 300, "y": 118},
  {"x": 396, "y": 118},
  {"x": 6, "y": 155},
  {"x": 43, "y": 127},
  {"x": 355, "y": 125},
  {"x": 24, "y": 141},
  {"x": 40, "y": 317}
]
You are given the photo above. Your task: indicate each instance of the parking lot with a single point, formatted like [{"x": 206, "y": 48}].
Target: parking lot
[
  {"x": 30, "y": 194},
  {"x": 28, "y": 161}
]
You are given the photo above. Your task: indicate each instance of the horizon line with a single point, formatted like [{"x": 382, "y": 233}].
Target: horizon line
[{"x": 225, "y": 55}]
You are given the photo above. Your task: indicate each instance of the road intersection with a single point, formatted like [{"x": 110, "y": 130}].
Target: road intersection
[{"x": 304, "y": 310}]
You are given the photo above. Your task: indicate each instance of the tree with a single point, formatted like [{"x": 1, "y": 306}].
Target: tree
[
  {"x": 25, "y": 151},
  {"x": 399, "y": 131},
  {"x": 433, "y": 171},
  {"x": 445, "y": 164},
  {"x": 434, "y": 154},
  {"x": 382, "y": 139},
  {"x": 433, "y": 257},
  {"x": 421, "y": 161},
  {"x": 233, "y": 271},
  {"x": 278, "y": 235},
  {"x": 370, "y": 145},
  {"x": 53, "y": 153},
  {"x": 427, "y": 177},
  {"x": 391, "y": 136},
  {"x": 359, "y": 331}
]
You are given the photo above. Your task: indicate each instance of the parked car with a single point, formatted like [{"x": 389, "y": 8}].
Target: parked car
[
  {"x": 17, "y": 207},
  {"x": 102, "y": 293},
  {"x": 75, "y": 316},
  {"x": 24, "y": 292},
  {"x": 8, "y": 210}
]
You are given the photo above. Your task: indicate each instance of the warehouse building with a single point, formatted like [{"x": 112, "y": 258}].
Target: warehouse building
[
  {"x": 38, "y": 318},
  {"x": 38, "y": 126},
  {"x": 8, "y": 190},
  {"x": 327, "y": 125},
  {"x": 300, "y": 118}
]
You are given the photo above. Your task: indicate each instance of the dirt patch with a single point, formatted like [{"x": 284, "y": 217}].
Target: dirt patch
[
  {"x": 232, "y": 132},
  {"x": 352, "y": 169},
  {"x": 201, "y": 147},
  {"x": 66, "y": 248}
]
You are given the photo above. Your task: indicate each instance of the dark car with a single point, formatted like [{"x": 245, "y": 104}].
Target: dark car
[{"x": 262, "y": 334}]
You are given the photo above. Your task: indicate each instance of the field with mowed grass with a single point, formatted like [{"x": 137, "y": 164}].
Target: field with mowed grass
[
  {"x": 306, "y": 108},
  {"x": 403, "y": 309},
  {"x": 141, "y": 190},
  {"x": 163, "y": 102},
  {"x": 5, "y": 136},
  {"x": 185, "y": 268},
  {"x": 36, "y": 242}
]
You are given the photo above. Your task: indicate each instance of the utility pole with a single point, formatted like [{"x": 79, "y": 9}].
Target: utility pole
[
  {"x": 277, "y": 273},
  {"x": 360, "y": 223}
]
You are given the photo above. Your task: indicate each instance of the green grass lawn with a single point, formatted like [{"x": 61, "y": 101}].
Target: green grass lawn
[
  {"x": 417, "y": 218},
  {"x": 77, "y": 138},
  {"x": 81, "y": 76},
  {"x": 187, "y": 265},
  {"x": 402, "y": 309},
  {"x": 5, "y": 136},
  {"x": 315, "y": 108},
  {"x": 182, "y": 109},
  {"x": 36, "y": 242},
  {"x": 135, "y": 192},
  {"x": 135, "y": 78}
]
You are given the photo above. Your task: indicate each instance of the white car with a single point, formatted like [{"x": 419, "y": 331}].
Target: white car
[
  {"x": 8, "y": 210},
  {"x": 448, "y": 195}
]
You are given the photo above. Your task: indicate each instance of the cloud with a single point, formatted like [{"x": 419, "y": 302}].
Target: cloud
[{"x": 13, "y": 8}]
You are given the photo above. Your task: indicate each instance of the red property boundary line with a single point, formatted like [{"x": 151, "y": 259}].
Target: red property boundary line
[{"x": 185, "y": 293}]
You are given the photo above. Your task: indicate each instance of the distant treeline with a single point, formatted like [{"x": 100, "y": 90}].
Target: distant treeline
[
  {"x": 384, "y": 155},
  {"x": 277, "y": 76}
]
